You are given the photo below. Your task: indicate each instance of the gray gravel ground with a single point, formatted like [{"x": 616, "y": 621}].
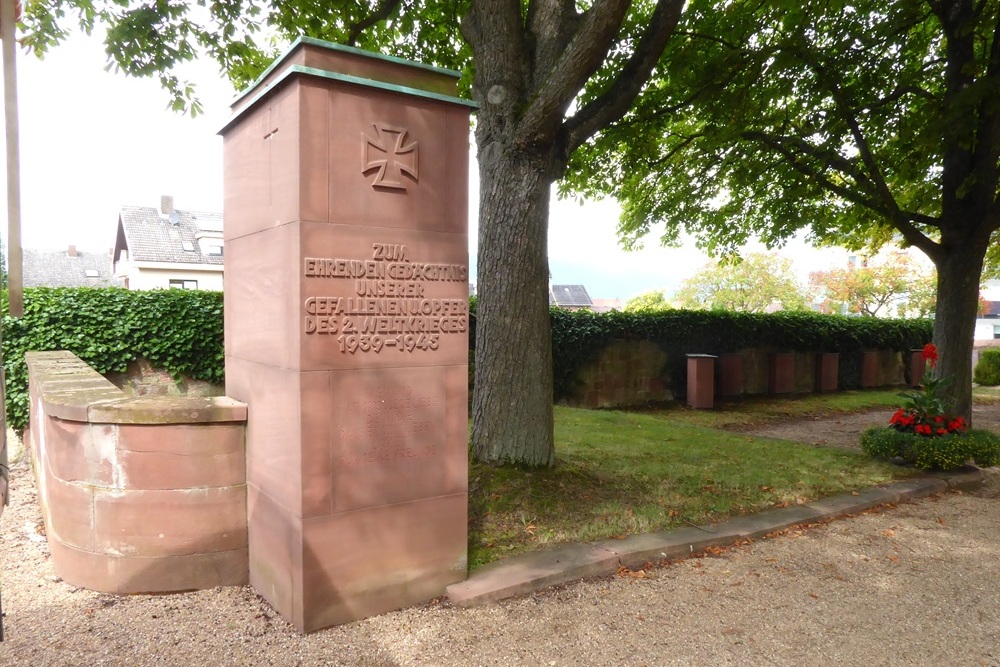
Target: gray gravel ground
[{"x": 908, "y": 585}]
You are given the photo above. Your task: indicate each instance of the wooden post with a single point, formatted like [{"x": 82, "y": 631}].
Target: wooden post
[
  {"x": 15, "y": 282},
  {"x": 9, "y": 11}
]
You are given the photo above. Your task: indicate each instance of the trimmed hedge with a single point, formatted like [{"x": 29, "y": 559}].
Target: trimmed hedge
[
  {"x": 578, "y": 338},
  {"x": 987, "y": 371},
  {"x": 945, "y": 452},
  {"x": 177, "y": 330},
  {"x": 181, "y": 332}
]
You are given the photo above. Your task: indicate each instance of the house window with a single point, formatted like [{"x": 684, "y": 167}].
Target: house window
[
  {"x": 92, "y": 273},
  {"x": 996, "y": 332},
  {"x": 188, "y": 246},
  {"x": 183, "y": 284}
]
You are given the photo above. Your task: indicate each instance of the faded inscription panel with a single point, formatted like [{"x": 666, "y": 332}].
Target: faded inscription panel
[
  {"x": 382, "y": 298},
  {"x": 389, "y": 438}
]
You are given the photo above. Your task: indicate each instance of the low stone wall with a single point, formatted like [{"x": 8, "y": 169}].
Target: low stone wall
[
  {"x": 626, "y": 373},
  {"x": 139, "y": 494},
  {"x": 635, "y": 373}
]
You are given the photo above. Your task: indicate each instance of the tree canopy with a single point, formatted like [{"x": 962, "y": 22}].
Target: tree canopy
[
  {"x": 863, "y": 122},
  {"x": 890, "y": 285},
  {"x": 759, "y": 283},
  {"x": 652, "y": 300}
]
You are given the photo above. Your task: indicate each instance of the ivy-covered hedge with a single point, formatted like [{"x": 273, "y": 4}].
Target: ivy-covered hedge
[
  {"x": 181, "y": 332},
  {"x": 579, "y": 336},
  {"x": 177, "y": 330}
]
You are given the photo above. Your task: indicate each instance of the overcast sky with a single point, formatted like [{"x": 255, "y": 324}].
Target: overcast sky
[{"x": 93, "y": 141}]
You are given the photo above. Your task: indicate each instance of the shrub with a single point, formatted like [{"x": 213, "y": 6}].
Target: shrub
[
  {"x": 579, "y": 337},
  {"x": 177, "y": 330},
  {"x": 935, "y": 453},
  {"x": 987, "y": 371}
]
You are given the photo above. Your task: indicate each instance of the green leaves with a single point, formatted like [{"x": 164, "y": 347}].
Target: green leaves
[
  {"x": 753, "y": 284},
  {"x": 579, "y": 337},
  {"x": 177, "y": 330},
  {"x": 772, "y": 117}
]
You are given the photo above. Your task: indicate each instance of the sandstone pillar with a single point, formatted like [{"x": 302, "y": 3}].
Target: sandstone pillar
[{"x": 346, "y": 310}]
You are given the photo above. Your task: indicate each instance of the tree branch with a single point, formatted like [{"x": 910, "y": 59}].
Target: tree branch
[
  {"x": 791, "y": 148},
  {"x": 582, "y": 56},
  {"x": 552, "y": 25},
  {"x": 381, "y": 13},
  {"x": 889, "y": 206},
  {"x": 901, "y": 221},
  {"x": 987, "y": 151},
  {"x": 618, "y": 98},
  {"x": 493, "y": 29}
]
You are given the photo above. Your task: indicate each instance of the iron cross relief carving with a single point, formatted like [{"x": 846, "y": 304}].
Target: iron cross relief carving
[{"x": 391, "y": 154}]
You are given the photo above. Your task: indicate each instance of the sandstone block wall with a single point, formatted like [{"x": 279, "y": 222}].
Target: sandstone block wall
[
  {"x": 634, "y": 373},
  {"x": 139, "y": 495}
]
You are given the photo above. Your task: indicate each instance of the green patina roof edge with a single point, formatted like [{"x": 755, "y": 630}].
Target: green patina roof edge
[
  {"x": 333, "y": 46},
  {"x": 345, "y": 78}
]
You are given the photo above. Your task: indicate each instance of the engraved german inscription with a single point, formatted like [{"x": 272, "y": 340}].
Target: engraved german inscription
[
  {"x": 391, "y": 304},
  {"x": 401, "y": 425}
]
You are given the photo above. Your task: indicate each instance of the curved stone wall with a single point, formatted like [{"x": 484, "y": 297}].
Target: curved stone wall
[{"x": 139, "y": 495}]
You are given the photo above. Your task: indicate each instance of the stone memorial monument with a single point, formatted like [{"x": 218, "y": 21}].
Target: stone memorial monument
[{"x": 346, "y": 325}]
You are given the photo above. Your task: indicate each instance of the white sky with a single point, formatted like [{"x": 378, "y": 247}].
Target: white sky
[{"x": 93, "y": 141}]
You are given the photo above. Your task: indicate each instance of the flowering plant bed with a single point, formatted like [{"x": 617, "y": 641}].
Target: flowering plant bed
[
  {"x": 940, "y": 452},
  {"x": 924, "y": 433}
]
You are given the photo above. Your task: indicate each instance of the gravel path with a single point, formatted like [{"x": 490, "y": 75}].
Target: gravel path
[{"x": 912, "y": 585}]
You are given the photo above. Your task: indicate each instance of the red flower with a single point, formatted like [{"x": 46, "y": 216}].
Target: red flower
[
  {"x": 942, "y": 431},
  {"x": 923, "y": 429},
  {"x": 938, "y": 419},
  {"x": 930, "y": 354}
]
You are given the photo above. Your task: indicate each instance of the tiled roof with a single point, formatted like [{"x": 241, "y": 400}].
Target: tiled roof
[
  {"x": 152, "y": 238},
  {"x": 56, "y": 268},
  {"x": 992, "y": 309},
  {"x": 606, "y": 305},
  {"x": 569, "y": 296}
]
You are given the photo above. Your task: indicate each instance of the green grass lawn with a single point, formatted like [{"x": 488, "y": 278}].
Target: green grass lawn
[
  {"x": 759, "y": 411},
  {"x": 622, "y": 473}
]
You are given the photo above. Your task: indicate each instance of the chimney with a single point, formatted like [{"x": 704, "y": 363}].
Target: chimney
[
  {"x": 71, "y": 252},
  {"x": 166, "y": 205}
]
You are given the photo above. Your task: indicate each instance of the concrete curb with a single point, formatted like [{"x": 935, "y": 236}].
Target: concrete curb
[{"x": 531, "y": 572}]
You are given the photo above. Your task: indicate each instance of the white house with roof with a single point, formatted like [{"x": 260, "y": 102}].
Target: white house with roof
[
  {"x": 988, "y": 322},
  {"x": 168, "y": 248}
]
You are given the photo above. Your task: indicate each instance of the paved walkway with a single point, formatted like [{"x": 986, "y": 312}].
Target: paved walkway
[{"x": 538, "y": 570}]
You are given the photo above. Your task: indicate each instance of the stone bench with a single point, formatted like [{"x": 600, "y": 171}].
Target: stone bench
[{"x": 139, "y": 494}]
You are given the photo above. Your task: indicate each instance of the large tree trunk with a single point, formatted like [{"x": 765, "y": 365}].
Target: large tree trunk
[
  {"x": 958, "y": 269},
  {"x": 512, "y": 398},
  {"x": 532, "y": 61}
]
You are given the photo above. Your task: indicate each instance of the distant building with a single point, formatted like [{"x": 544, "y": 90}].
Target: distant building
[
  {"x": 67, "y": 268},
  {"x": 988, "y": 323},
  {"x": 606, "y": 305},
  {"x": 570, "y": 297},
  {"x": 168, "y": 248}
]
